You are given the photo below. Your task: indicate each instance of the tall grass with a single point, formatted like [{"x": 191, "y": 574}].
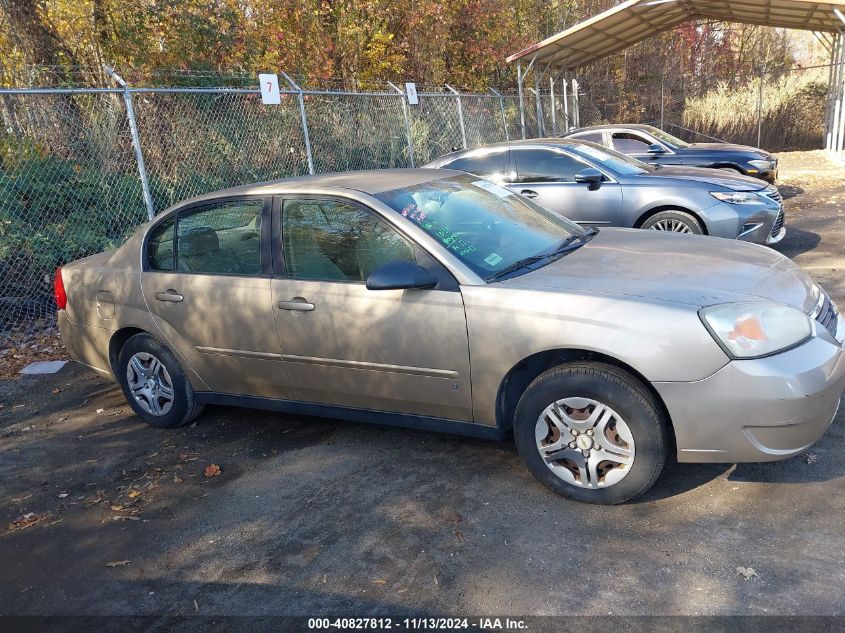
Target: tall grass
[{"x": 792, "y": 112}]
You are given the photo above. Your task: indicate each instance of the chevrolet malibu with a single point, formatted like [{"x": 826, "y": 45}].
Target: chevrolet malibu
[{"x": 437, "y": 300}]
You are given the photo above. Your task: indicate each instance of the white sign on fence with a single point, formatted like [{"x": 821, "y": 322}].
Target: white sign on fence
[
  {"x": 411, "y": 91},
  {"x": 269, "y": 89}
]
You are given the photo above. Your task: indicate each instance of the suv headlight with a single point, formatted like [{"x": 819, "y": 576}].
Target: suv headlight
[
  {"x": 760, "y": 164},
  {"x": 751, "y": 330},
  {"x": 738, "y": 197}
]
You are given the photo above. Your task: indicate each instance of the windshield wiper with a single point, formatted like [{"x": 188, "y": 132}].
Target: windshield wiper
[{"x": 559, "y": 251}]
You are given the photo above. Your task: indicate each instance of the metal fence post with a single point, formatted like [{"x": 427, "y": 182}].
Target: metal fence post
[
  {"x": 519, "y": 79},
  {"x": 305, "y": 137},
  {"x": 565, "y": 106},
  {"x": 552, "y": 103},
  {"x": 502, "y": 110},
  {"x": 576, "y": 104},
  {"x": 407, "y": 118},
  {"x": 460, "y": 113},
  {"x": 136, "y": 141}
]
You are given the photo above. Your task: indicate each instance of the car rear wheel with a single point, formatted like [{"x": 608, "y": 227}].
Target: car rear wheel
[
  {"x": 591, "y": 432},
  {"x": 675, "y": 222},
  {"x": 154, "y": 383}
]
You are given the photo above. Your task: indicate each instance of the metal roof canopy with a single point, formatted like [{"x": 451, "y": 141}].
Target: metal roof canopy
[{"x": 636, "y": 20}]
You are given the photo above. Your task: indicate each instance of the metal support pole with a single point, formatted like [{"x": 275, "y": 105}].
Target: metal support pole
[
  {"x": 760, "y": 106},
  {"x": 519, "y": 78},
  {"x": 460, "y": 113},
  {"x": 565, "y": 105},
  {"x": 502, "y": 110},
  {"x": 305, "y": 136},
  {"x": 407, "y": 118},
  {"x": 839, "y": 122},
  {"x": 136, "y": 141},
  {"x": 538, "y": 103},
  {"x": 662, "y": 100},
  {"x": 831, "y": 90},
  {"x": 552, "y": 102},
  {"x": 576, "y": 104}
]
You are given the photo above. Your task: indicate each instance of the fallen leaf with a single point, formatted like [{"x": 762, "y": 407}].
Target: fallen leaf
[
  {"x": 436, "y": 581},
  {"x": 62, "y": 419},
  {"x": 811, "y": 458},
  {"x": 325, "y": 578},
  {"x": 134, "y": 493},
  {"x": 212, "y": 470},
  {"x": 176, "y": 479},
  {"x": 117, "y": 563},
  {"x": 26, "y": 520},
  {"x": 746, "y": 572},
  {"x": 196, "y": 606},
  {"x": 55, "y": 391},
  {"x": 100, "y": 410},
  {"x": 63, "y": 495},
  {"x": 117, "y": 507},
  {"x": 379, "y": 581}
]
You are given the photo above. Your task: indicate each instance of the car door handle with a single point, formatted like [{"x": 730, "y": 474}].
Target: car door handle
[
  {"x": 302, "y": 306},
  {"x": 528, "y": 193},
  {"x": 171, "y": 296}
]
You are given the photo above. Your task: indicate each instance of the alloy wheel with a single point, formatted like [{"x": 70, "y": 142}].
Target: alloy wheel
[
  {"x": 150, "y": 383},
  {"x": 584, "y": 442},
  {"x": 675, "y": 226}
]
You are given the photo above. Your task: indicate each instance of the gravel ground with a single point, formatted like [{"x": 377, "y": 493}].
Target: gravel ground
[{"x": 309, "y": 516}]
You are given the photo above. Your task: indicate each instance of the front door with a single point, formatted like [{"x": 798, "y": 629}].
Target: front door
[
  {"x": 207, "y": 283},
  {"x": 391, "y": 350},
  {"x": 547, "y": 177},
  {"x": 636, "y": 146}
]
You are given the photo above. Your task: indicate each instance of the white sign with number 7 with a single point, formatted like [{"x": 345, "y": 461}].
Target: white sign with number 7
[{"x": 269, "y": 89}]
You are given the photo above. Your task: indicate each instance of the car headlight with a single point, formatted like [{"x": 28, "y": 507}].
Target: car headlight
[
  {"x": 751, "y": 330},
  {"x": 760, "y": 164},
  {"x": 738, "y": 197}
]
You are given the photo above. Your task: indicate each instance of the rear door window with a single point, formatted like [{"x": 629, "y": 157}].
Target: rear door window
[
  {"x": 545, "y": 165},
  {"x": 630, "y": 143}
]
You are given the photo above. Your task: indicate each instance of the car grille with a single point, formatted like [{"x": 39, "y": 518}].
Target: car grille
[
  {"x": 826, "y": 313},
  {"x": 774, "y": 194},
  {"x": 778, "y": 225}
]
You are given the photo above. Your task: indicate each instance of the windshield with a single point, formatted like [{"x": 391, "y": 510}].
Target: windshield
[
  {"x": 667, "y": 138},
  {"x": 489, "y": 228},
  {"x": 611, "y": 159}
]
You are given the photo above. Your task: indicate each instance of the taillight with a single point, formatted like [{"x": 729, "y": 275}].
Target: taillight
[{"x": 59, "y": 290}]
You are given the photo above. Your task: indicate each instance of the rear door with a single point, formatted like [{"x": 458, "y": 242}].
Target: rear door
[
  {"x": 206, "y": 280},
  {"x": 547, "y": 176}
]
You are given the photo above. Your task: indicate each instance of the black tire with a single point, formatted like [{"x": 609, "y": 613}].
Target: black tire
[
  {"x": 674, "y": 215},
  {"x": 184, "y": 407},
  {"x": 618, "y": 390}
]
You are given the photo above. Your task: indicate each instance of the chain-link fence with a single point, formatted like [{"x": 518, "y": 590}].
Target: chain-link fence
[{"x": 81, "y": 169}]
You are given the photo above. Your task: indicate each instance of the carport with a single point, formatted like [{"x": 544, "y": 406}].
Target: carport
[{"x": 560, "y": 56}]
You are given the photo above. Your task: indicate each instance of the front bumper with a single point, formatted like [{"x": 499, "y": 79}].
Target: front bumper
[{"x": 758, "y": 410}]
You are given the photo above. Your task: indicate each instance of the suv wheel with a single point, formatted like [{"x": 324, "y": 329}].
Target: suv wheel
[
  {"x": 591, "y": 432},
  {"x": 154, "y": 383}
]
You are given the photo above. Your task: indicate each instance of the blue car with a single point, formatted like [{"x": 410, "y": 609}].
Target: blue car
[{"x": 652, "y": 145}]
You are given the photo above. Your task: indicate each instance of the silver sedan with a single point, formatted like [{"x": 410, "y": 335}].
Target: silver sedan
[
  {"x": 597, "y": 186},
  {"x": 440, "y": 301}
]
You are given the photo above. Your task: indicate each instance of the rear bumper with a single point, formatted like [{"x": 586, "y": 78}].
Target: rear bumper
[{"x": 758, "y": 410}]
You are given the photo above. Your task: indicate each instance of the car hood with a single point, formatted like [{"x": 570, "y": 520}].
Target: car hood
[
  {"x": 725, "y": 147},
  {"x": 693, "y": 270},
  {"x": 727, "y": 179}
]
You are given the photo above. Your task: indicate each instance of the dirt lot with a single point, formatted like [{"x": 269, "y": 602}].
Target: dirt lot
[{"x": 315, "y": 516}]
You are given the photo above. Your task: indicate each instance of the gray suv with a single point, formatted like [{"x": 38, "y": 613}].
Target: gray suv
[{"x": 597, "y": 186}]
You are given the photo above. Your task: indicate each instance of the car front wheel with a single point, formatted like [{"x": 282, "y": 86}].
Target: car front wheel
[
  {"x": 675, "y": 222},
  {"x": 591, "y": 432},
  {"x": 154, "y": 383}
]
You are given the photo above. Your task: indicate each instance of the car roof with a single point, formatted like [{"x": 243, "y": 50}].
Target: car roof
[
  {"x": 548, "y": 141},
  {"x": 612, "y": 126},
  {"x": 371, "y": 181}
]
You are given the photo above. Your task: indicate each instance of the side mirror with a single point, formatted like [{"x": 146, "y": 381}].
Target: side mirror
[
  {"x": 400, "y": 275},
  {"x": 656, "y": 149},
  {"x": 589, "y": 175}
]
